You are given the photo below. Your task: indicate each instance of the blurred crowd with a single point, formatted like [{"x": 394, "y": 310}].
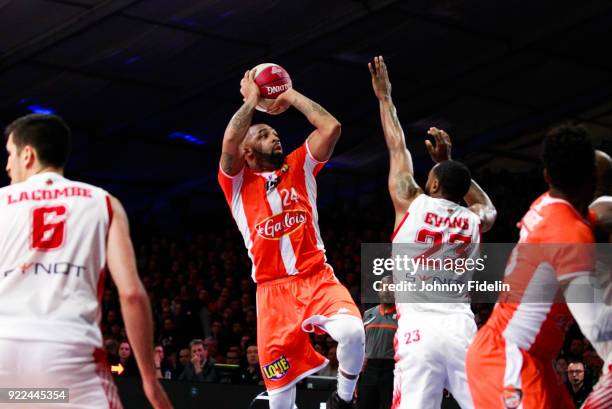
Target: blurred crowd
[{"x": 203, "y": 298}]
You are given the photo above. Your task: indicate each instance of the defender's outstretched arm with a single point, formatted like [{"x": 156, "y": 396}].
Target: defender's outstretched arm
[{"x": 402, "y": 185}]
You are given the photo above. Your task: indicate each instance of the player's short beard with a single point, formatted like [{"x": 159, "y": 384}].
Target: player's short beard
[{"x": 276, "y": 159}]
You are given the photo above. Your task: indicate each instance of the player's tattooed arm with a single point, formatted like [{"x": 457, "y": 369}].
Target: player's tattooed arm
[
  {"x": 227, "y": 160},
  {"x": 402, "y": 185},
  {"x": 231, "y": 154},
  {"x": 243, "y": 117},
  {"x": 308, "y": 107},
  {"x": 405, "y": 186},
  {"x": 322, "y": 140}
]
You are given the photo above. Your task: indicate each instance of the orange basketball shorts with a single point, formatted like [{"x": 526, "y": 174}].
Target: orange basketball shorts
[
  {"x": 286, "y": 354},
  {"x": 502, "y": 376}
]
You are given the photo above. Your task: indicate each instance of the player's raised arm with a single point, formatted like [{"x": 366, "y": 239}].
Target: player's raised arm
[
  {"x": 402, "y": 186},
  {"x": 135, "y": 305},
  {"x": 232, "y": 156},
  {"x": 479, "y": 202},
  {"x": 476, "y": 198},
  {"x": 321, "y": 141}
]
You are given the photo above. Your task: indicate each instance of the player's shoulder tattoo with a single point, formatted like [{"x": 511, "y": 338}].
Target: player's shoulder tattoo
[{"x": 405, "y": 185}]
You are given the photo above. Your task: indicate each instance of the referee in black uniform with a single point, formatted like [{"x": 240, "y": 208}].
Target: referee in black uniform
[{"x": 376, "y": 381}]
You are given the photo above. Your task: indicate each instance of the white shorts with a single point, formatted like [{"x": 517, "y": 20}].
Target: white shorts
[
  {"x": 430, "y": 350},
  {"x": 81, "y": 369}
]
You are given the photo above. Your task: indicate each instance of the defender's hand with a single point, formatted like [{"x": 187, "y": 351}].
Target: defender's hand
[
  {"x": 248, "y": 87},
  {"x": 380, "y": 78},
  {"x": 442, "y": 150}
]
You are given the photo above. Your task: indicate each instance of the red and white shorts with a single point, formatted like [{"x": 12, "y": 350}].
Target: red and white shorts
[
  {"x": 601, "y": 397},
  {"x": 81, "y": 369},
  {"x": 430, "y": 350},
  {"x": 287, "y": 310}
]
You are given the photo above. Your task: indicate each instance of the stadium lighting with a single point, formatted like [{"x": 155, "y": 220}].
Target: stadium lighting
[
  {"x": 39, "y": 109},
  {"x": 187, "y": 137}
]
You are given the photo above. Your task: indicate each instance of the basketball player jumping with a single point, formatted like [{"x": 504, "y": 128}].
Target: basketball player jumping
[
  {"x": 432, "y": 338},
  {"x": 272, "y": 198},
  {"x": 56, "y": 238},
  {"x": 509, "y": 362}
]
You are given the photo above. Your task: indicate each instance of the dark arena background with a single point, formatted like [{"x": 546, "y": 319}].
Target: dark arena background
[{"x": 148, "y": 87}]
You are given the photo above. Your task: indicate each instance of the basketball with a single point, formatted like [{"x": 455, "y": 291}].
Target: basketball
[{"x": 273, "y": 80}]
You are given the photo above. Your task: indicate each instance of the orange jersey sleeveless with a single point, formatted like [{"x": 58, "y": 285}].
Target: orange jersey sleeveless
[
  {"x": 52, "y": 254},
  {"x": 277, "y": 215},
  {"x": 551, "y": 250},
  {"x": 509, "y": 364}
]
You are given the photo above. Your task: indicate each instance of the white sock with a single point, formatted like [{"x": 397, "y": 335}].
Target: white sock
[{"x": 346, "y": 387}]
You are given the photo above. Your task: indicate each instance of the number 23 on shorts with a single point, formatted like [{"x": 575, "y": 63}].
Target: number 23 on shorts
[{"x": 412, "y": 336}]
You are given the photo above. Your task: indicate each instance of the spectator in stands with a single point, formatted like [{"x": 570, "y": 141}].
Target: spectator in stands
[
  {"x": 126, "y": 360},
  {"x": 593, "y": 363},
  {"x": 232, "y": 357},
  {"x": 168, "y": 337},
  {"x": 112, "y": 318},
  {"x": 236, "y": 332},
  {"x": 116, "y": 331},
  {"x": 203, "y": 312},
  {"x": 201, "y": 368},
  {"x": 183, "y": 360},
  {"x": 112, "y": 350},
  {"x": 561, "y": 368},
  {"x": 250, "y": 374},
  {"x": 578, "y": 388},
  {"x": 162, "y": 369},
  {"x": 250, "y": 321},
  {"x": 332, "y": 368},
  {"x": 220, "y": 334},
  {"x": 245, "y": 341},
  {"x": 376, "y": 382},
  {"x": 212, "y": 346},
  {"x": 576, "y": 349}
]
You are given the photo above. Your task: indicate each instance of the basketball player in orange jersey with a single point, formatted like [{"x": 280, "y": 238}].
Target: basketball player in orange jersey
[
  {"x": 56, "y": 238},
  {"x": 434, "y": 330},
  {"x": 272, "y": 198},
  {"x": 509, "y": 363}
]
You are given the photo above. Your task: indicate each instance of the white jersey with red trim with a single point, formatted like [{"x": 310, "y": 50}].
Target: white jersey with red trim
[
  {"x": 53, "y": 235},
  {"x": 435, "y": 222},
  {"x": 276, "y": 212}
]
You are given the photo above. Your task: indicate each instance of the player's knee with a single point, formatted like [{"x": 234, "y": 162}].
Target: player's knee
[{"x": 354, "y": 333}]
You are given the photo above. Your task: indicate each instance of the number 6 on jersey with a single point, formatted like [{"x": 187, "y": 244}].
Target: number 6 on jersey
[{"x": 48, "y": 227}]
